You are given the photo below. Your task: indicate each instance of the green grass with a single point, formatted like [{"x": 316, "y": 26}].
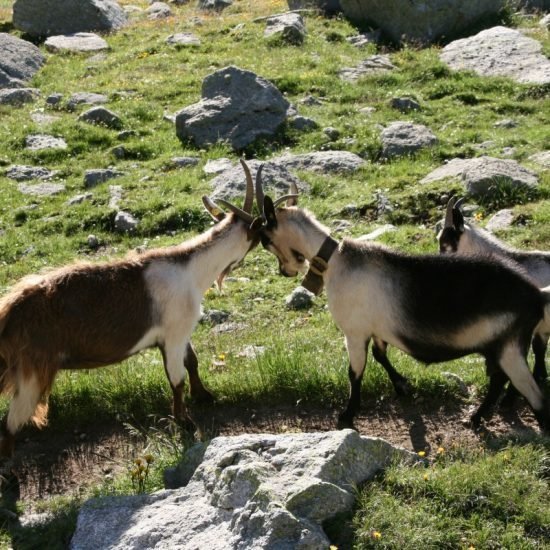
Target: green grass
[
  {"x": 481, "y": 499},
  {"x": 305, "y": 359}
]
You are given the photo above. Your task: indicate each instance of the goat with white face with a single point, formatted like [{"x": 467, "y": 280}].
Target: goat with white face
[
  {"x": 418, "y": 304},
  {"x": 461, "y": 238},
  {"x": 91, "y": 315}
]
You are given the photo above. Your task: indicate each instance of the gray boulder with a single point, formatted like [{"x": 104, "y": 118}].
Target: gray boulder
[
  {"x": 503, "y": 219},
  {"x": 18, "y": 96},
  {"x": 249, "y": 491},
  {"x": 183, "y": 39},
  {"x": 405, "y": 104},
  {"x": 423, "y": 21},
  {"x": 375, "y": 64},
  {"x": 237, "y": 106},
  {"x": 46, "y": 189},
  {"x": 275, "y": 179},
  {"x": 102, "y": 116},
  {"x": 77, "y": 42},
  {"x": 405, "y": 138},
  {"x": 542, "y": 159},
  {"x": 19, "y": 61},
  {"x": 483, "y": 176},
  {"x": 286, "y": 27},
  {"x": 96, "y": 176},
  {"x": 39, "y": 142},
  {"x": 55, "y": 17},
  {"x": 125, "y": 222},
  {"x": 20, "y": 172},
  {"x": 500, "y": 52},
  {"x": 158, "y": 10},
  {"x": 325, "y": 162}
]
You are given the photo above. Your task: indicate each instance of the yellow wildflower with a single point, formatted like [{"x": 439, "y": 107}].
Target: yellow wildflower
[
  {"x": 421, "y": 453},
  {"x": 376, "y": 535}
]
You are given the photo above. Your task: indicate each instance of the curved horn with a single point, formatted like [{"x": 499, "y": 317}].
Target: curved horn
[
  {"x": 459, "y": 203},
  {"x": 212, "y": 208},
  {"x": 449, "y": 213},
  {"x": 283, "y": 199},
  {"x": 249, "y": 197},
  {"x": 236, "y": 210},
  {"x": 260, "y": 190}
]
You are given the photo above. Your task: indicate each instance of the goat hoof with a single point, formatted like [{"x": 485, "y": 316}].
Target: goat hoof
[{"x": 345, "y": 422}]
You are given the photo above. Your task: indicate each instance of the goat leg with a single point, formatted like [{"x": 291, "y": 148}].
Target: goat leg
[
  {"x": 198, "y": 392},
  {"x": 401, "y": 385}
]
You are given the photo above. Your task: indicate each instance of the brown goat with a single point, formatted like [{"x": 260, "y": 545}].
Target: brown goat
[{"x": 91, "y": 315}]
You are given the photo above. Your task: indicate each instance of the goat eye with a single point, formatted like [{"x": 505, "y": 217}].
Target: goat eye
[{"x": 299, "y": 257}]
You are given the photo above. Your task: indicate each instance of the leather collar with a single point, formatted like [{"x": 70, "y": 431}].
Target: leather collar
[{"x": 313, "y": 281}]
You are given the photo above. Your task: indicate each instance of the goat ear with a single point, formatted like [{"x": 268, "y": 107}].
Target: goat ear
[
  {"x": 458, "y": 220},
  {"x": 269, "y": 213},
  {"x": 211, "y": 207}
]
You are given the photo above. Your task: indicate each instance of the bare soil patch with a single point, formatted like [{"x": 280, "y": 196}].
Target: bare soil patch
[{"x": 50, "y": 462}]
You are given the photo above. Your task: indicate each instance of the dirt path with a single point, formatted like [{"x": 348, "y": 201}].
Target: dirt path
[{"x": 51, "y": 463}]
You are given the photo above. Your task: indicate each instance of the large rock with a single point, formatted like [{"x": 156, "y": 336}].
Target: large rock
[
  {"x": 500, "y": 52},
  {"x": 237, "y": 106},
  {"x": 19, "y": 61},
  {"x": 405, "y": 138},
  {"x": 52, "y": 17},
  {"x": 250, "y": 491},
  {"x": 77, "y": 42},
  {"x": 420, "y": 21},
  {"x": 339, "y": 162},
  {"x": 286, "y": 27},
  {"x": 484, "y": 176},
  {"x": 275, "y": 179},
  {"x": 18, "y": 96}
]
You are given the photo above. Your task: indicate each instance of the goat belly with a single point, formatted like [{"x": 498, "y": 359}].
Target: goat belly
[{"x": 427, "y": 352}]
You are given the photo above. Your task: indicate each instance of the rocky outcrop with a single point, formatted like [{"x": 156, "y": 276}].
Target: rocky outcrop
[
  {"x": 420, "y": 21},
  {"x": 237, "y": 107},
  {"x": 19, "y": 61},
  {"x": 484, "y": 176},
  {"x": 249, "y": 491},
  {"x": 328, "y": 6},
  {"x": 499, "y": 52},
  {"x": 57, "y": 17},
  {"x": 275, "y": 179}
]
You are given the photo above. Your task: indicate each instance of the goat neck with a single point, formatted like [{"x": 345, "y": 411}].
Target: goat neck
[{"x": 218, "y": 251}]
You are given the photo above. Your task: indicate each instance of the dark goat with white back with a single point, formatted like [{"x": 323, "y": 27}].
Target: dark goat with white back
[
  {"x": 435, "y": 308},
  {"x": 90, "y": 315},
  {"x": 459, "y": 237}
]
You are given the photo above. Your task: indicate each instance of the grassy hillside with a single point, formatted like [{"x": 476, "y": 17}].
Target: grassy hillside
[{"x": 304, "y": 361}]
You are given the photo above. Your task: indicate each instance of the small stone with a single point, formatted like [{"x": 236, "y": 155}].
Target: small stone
[
  {"x": 506, "y": 123},
  {"x": 54, "y": 99},
  {"x": 332, "y": 133},
  {"x": 375, "y": 64},
  {"x": 85, "y": 98},
  {"x": 215, "y": 316},
  {"x": 93, "y": 242},
  {"x": 78, "y": 199},
  {"x": 158, "y": 10},
  {"x": 228, "y": 327},
  {"x": 184, "y": 162},
  {"x": 41, "y": 189},
  {"x": 102, "y": 116},
  {"x": 115, "y": 196},
  {"x": 119, "y": 152},
  {"x": 310, "y": 101},
  {"x": 96, "y": 176},
  {"x": 126, "y": 134},
  {"x": 405, "y": 104},
  {"x": 125, "y": 222},
  {"x": 300, "y": 298},
  {"x": 377, "y": 233},
  {"x": 503, "y": 219},
  {"x": 183, "y": 39},
  {"x": 362, "y": 40},
  {"x": 303, "y": 123},
  {"x": 23, "y": 173}
]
